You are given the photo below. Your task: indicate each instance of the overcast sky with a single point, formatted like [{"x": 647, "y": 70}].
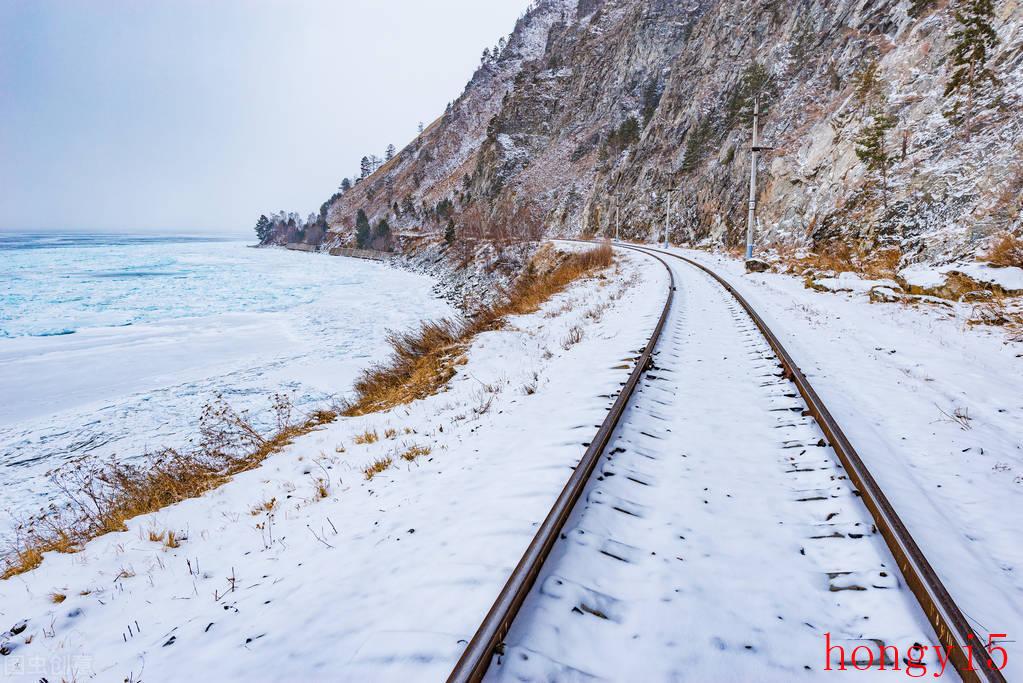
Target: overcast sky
[{"x": 198, "y": 115}]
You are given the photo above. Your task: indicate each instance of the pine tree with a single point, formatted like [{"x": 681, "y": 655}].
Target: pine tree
[
  {"x": 421, "y": 128},
  {"x": 263, "y": 229},
  {"x": 389, "y": 154},
  {"x": 346, "y": 185},
  {"x": 449, "y": 232},
  {"x": 651, "y": 98},
  {"x": 365, "y": 167},
  {"x": 872, "y": 148},
  {"x": 362, "y": 229},
  {"x": 974, "y": 39},
  {"x": 383, "y": 229}
]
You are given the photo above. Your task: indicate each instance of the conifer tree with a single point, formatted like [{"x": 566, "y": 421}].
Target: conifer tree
[
  {"x": 973, "y": 41},
  {"x": 872, "y": 147},
  {"x": 362, "y": 229},
  {"x": 449, "y": 232},
  {"x": 389, "y": 154},
  {"x": 346, "y": 185},
  {"x": 918, "y": 7},
  {"x": 263, "y": 229},
  {"x": 365, "y": 167}
]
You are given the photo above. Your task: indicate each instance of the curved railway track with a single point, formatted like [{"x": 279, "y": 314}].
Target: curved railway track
[{"x": 950, "y": 627}]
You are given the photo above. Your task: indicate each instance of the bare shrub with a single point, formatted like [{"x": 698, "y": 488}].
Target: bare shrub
[
  {"x": 575, "y": 335},
  {"x": 101, "y": 496}
]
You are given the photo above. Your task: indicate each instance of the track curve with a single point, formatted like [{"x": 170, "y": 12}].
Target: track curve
[{"x": 944, "y": 617}]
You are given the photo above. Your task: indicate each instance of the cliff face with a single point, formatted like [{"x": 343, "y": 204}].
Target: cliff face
[{"x": 598, "y": 106}]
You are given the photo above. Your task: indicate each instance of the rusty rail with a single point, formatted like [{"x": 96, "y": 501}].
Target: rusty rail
[
  {"x": 473, "y": 664},
  {"x": 950, "y": 625}
]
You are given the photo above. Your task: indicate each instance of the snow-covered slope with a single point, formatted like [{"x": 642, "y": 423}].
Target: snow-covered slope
[{"x": 382, "y": 578}]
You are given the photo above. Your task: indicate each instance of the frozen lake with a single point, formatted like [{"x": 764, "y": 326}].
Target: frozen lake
[{"x": 112, "y": 344}]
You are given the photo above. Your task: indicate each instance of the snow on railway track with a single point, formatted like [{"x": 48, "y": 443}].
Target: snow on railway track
[{"x": 719, "y": 537}]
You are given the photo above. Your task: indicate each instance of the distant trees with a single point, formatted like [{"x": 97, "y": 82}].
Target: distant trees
[
  {"x": 651, "y": 99},
  {"x": 973, "y": 41},
  {"x": 756, "y": 83},
  {"x": 389, "y": 153},
  {"x": 622, "y": 137},
  {"x": 263, "y": 229},
  {"x": 362, "y": 230},
  {"x": 444, "y": 209},
  {"x": 918, "y": 7},
  {"x": 872, "y": 147},
  {"x": 449, "y": 232},
  {"x": 346, "y": 185},
  {"x": 421, "y": 128},
  {"x": 365, "y": 167}
]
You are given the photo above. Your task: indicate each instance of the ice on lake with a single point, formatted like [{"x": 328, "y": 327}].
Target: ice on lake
[{"x": 112, "y": 345}]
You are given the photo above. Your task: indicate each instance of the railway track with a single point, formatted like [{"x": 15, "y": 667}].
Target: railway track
[{"x": 736, "y": 536}]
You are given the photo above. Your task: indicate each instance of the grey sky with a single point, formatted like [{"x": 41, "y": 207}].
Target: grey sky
[{"x": 194, "y": 115}]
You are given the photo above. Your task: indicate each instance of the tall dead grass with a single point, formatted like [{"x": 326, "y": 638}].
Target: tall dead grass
[
  {"x": 101, "y": 496},
  {"x": 1006, "y": 251},
  {"x": 839, "y": 257},
  {"x": 424, "y": 360}
]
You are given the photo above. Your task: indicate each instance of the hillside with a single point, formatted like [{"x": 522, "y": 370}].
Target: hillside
[{"x": 598, "y": 104}]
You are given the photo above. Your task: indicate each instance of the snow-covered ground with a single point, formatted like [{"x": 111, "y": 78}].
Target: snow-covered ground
[
  {"x": 720, "y": 540},
  {"x": 112, "y": 345},
  {"x": 386, "y": 579},
  {"x": 383, "y": 579},
  {"x": 935, "y": 409}
]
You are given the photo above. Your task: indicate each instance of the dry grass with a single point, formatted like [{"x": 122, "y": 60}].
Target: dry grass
[
  {"x": 390, "y": 433},
  {"x": 424, "y": 360},
  {"x": 265, "y": 506},
  {"x": 413, "y": 452},
  {"x": 103, "y": 495},
  {"x": 574, "y": 336},
  {"x": 379, "y": 465},
  {"x": 1007, "y": 251},
  {"x": 839, "y": 257},
  {"x": 322, "y": 488},
  {"x": 999, "y": 312},
  {"x": 367, "y": 437},
  {"x": 57, "y": 598}
]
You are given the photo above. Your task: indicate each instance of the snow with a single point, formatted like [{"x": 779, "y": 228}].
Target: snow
[
  {"x": 147, "y": 351},
  {"x": 719, "y": 541},
  {"x": 929, "y": 277},
  {"x": 387, "y": 579},
  {"x": 852, "y": 282},
  {"x": 383, "y": 579},
  {"x": 896, "y": 378}
]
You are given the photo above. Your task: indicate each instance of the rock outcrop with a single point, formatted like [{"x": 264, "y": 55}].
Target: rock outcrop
[{"x": 596, "y": 109}]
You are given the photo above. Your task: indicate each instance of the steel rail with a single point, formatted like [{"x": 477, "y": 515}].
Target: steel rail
[
  {"x": 478, "y": 654},
  {"x": 948, "y": 621}
]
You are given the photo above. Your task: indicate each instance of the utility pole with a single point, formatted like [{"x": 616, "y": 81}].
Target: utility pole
[
  {"x": 667, "y": 217},
  {"x": 667, "y": 214},
  {"x": 756, "y": 149}
]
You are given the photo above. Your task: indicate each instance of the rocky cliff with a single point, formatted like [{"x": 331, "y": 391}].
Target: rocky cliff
[{"x": 597, "y": 108}]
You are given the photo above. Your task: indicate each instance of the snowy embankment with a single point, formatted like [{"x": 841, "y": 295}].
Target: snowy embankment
[
  {"x": 935, "y": 409},
  {"x": 381, "y": 579}
]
